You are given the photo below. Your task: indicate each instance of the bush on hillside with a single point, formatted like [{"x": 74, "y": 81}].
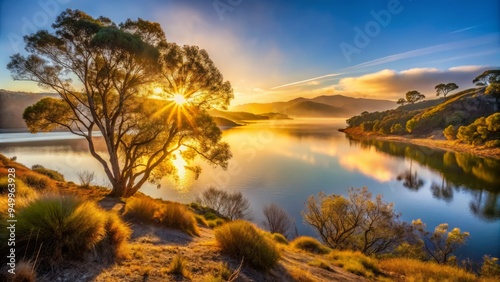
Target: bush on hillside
[
  {"x": 60, "y": 228},
  {"x": 450, "y": 132},
  {"x": 243, "y": 240},
  {"x": 48, "y": 172},
  {"x": 310, "y": 245}
]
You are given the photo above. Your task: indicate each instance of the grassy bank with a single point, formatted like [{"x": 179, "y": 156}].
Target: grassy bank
[{"x": 450, "y": 145}]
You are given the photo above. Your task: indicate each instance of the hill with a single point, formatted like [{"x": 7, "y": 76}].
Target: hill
[
  {"x": 321, "y": 106},
  {"x": 245, "y": 116},
  {"x": 12, "y": 105},
  {"x": 470, "y": 117}
]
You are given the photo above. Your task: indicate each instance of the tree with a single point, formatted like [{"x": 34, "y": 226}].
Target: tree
[
  {"x": 441, "y": 244},
  {"x": 443, "y": 89},
  {"x": 117, "y": 67},
  {"x": 357, "y": 222},
  {"x": 277, "y": 219},
  {"x": 401, "y": 102},
  {"x": 450, "y": 132},
  {"x": 414, "y": 96},
  {"x": 231, "y": 205},
  {"x": 487, "y": 77}
]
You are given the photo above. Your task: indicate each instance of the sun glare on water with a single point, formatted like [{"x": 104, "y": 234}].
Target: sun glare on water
[{"x": 179, "y": 99}]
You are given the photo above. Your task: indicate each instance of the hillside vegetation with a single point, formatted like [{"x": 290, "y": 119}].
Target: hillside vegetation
[{"x": 469, "y": 117}]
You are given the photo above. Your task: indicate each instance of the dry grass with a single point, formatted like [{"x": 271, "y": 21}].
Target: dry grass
[
  {"x": 320, "y": 263},
  {"x": 355, "y": 262},
  {"x": 243, "y": 240},
  {"x": 279, "y": 238},
  {"x": 141, "y": 208},
  {"x": 301, "y": 275},
  {"x": 309, "y": 244},
  {"x": 178, "y": 265},
  {"x": 415, "y": 270},
  {"x": 177, "y": 216}
]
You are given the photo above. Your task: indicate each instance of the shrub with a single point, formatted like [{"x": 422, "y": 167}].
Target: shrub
[
  {"x": 277, "y": 219},
  {"x": 60, "y": 227},
  {"x": 310, "y": 245},
  {"x": 242, "y": 239},
  {"x": 367, "y": 126},
  {"x": 377, "y": 227},
  {"x": 21, "y": 190},
  {"x": 450, "y": 132},
  {"x": 231, "y": 205},
  {"x": 86, "y": 178},
  {"x": 177, "y": 216},
  {"x": 48, "y": 172},
  {"x": 493, "y": 143},
  {"x": 415, "y": 270},
  {"x": 490, "y": 268},
  {"x": 397, "y": 129}
]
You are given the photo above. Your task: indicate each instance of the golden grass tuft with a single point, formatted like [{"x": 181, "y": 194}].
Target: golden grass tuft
[
  {"x": 320, "y": 263},
  {"x": 177, "y": 216},
  {"x": 355, "y": 262},
  {"x": 279, "y": 238},
  {"x": 170, "y": 215},
  {"x": 309, "y": 244},
  {"x": 415, "y": 270},
  {"x": 178, "y": 265},
  {"x": 243, "y": 240},
  {"x": 141, "y": 208},
  {"x": 34, "y": 180},
  {"x": 55, "y": 228}
]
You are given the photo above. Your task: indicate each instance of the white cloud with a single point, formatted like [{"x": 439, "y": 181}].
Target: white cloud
[{"x": 390, "y": 84}]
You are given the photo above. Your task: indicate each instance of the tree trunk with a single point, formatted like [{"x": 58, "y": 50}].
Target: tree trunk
[{"x": 119, "y": 190}]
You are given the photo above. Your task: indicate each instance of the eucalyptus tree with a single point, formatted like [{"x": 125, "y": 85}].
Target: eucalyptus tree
[
  {"x": 444, "y": 89},
  {"x": 146, "y": 97}
]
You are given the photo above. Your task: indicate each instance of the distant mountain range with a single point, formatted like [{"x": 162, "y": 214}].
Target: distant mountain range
[{"x": 322, "y": 106}]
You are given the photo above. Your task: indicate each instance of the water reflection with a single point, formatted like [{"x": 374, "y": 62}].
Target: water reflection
[{"x": 458, "y": 171}]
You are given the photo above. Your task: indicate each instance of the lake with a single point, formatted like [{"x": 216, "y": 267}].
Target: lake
[{"x": 287, "y": 161}]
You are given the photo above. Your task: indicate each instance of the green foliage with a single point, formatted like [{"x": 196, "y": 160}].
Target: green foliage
[
  {"x": 414, "y": 96},
  {"x": 443, "y": 89},
  {"x": 357, "y": 222},
  {"x": 450, "y": 132},
  {"x": 441, "y": 244},
  {"x": 309, "y": 244},
  {"x": 490, "y": 268},
  {"x": 48, "y": 172},
  {"x": 242, "y": 240},
  {"x": 367, "y": 126},
  {"x": 397, "y": 129},
  {"x": 487, "y": 78},
  {"x": 481, "y": 131}
]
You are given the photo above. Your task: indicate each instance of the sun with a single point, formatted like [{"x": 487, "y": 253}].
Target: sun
[{"x": 179, "y": 99}]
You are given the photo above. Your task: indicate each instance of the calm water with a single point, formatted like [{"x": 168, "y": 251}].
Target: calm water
[{"x": 287, "y": 161}]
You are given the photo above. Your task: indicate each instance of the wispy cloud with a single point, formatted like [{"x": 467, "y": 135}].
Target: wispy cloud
[
  {"x": 464, "y": 29},
  {"x": 308, "y": 80},
  {"x": 461, "y": 44}
]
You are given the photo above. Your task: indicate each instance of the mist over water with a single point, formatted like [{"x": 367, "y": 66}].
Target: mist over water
[{"x": 287, "y": 161}]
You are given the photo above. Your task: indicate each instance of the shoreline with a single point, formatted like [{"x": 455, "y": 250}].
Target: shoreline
[{"x": 447, "y": 145}]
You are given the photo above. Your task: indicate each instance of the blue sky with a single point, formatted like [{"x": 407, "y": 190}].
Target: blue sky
[{"x": 279, "y": 50}]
